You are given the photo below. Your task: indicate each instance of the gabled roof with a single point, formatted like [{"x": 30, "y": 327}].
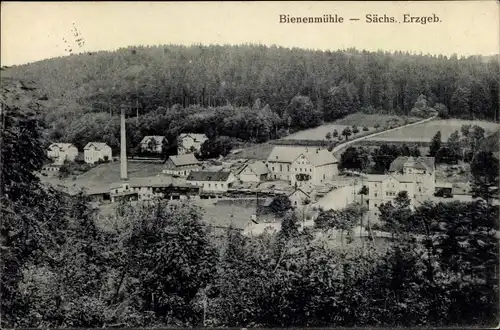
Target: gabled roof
[
  {"x": 195, "y": 136},
  {"x": 319, "y": 157},
  {"x": 221, "y": 176},
  {"x": 285, "y": 154},
  {"x": 383, "y": 177},
  {"x": 97, "y": 145},
  {"x": 182, "y": 160},
  {"x": 316, "y": 156},
  {"x": 158, "y": 139},
  {"x": 259, "y": 168},
  {"x": 423, "y": 163},
  {"x": 62, "y": 146}
]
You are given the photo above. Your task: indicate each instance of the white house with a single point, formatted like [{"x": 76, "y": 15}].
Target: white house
[
  {"x": 313, "y": 166},
  {"x": 302, "y": 194},
  {"x": 280, "y": 160},
  {"x": 190, "y": 142},
  {"x": 213, "y": 181},
  {"x": 416, "y": 176},
  {"x": 153, "y": 143},
  {"x": 424, "y": 170},
  {"x": 253, "y": 172},
  {"x": 95, "y": 151},
  {"x": 59, "y": 152},
  {"x": 181, "y": 165},
  {"x": 302, "y": 164}
]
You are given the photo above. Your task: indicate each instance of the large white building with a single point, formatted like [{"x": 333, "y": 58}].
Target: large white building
[
  {"x": 95, "y": 151},
  {"x": 59, "y": 152},
  {"x": 302, "y": 165},
  {"x": 190, "y": 143},
  {"x": 415, "y": 175}
]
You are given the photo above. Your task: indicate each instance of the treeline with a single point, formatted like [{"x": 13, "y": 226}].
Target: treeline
[
  {"x": 462, "y": 145},
  {"x": 158, "y": 265},
  {"x": 302, "y": 87}
]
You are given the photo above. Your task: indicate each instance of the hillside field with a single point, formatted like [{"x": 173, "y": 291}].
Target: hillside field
[
  {"x": 359, "y": 119},
  {"x": 100, "y": 177},
  {"x": 424, "y": 132}
]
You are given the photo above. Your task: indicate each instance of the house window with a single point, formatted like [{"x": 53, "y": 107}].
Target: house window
[
  {"x": 209, "y": 185},
  {"x": 310, "y": 170},
  {"x": 376, "y": 194},
  {"x": 419, "y": 189},
  {"x": 281, "y": 168},
  {"x": 295, "y": 202},
  {"x": 216, "y": 185},
  {"x": 324, "y": 176},
  {"x": 273, "y": 168}
]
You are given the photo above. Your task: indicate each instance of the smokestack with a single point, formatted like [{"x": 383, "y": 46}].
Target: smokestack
[{"x": 123, "y": 147}]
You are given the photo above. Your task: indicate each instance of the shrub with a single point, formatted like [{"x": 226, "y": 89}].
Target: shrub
[{"x": 365, "y": 129}]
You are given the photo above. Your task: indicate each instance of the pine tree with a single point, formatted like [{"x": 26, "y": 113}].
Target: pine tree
[{"x": 435, "y": 144}]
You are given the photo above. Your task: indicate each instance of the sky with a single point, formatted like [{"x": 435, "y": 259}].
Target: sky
[{"x": 32, "y": 31}]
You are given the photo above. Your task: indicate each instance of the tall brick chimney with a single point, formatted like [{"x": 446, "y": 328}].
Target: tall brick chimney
[{"x": 123, "y": 147}]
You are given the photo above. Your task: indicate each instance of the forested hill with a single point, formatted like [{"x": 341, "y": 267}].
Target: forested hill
[
  {"x": 238, "y": 75},
  {"x": 250, "y": 92}
]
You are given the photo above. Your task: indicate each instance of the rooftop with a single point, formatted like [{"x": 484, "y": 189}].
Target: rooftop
[
  {"x": 187, "y": 159},
  {"x": 288, "y": 154},
  {"x": 97, "y": 145},
  {"x": 423, "y": 163},
  {"x": 208, "y": 176}
]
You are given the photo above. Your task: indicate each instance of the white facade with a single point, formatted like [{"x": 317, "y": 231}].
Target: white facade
[
  {"x": 95, "y": 151},
  {"x": 416, "y": 176},
  {"x": 210, "y": 185},
  {"x": 317, "y": 174},
  {"x": 59, "y": 152},
  {"x": 302, "y": 165},
  {"x": 152, "y": 143},
  {"x": 254, "y": 172},
  {"x": 190, "y": 142}
]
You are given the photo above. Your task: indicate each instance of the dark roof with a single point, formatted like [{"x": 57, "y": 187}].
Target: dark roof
[
  {"x": 424, "y": 163},
  {"x": 208, "y": 176}
]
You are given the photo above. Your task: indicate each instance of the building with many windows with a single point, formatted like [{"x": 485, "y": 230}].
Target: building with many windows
[
  {"x": 300, "y": 165},
  {"x": 415, "y": 175}
]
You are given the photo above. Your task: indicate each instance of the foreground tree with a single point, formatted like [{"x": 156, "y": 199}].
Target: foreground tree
[{"x": 485, "y": 171}]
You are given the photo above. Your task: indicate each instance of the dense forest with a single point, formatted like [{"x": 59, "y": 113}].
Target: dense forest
[
  {"x": 159, "y": 265},
  {"x": 252, "y": 92}
]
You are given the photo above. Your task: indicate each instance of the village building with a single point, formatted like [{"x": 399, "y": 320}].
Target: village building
[
  {"x": 415, "y": 175},
  {"x": 302, "y": 195},
  {"x": 153, "y": 143},
  {"x": 253, "y": 172},
  {"x": 149, "y": 188},
  {"x": 190, "y": 143},
  {"x": 302, "y": 164},
  {"x": 60, "y": 152},
  {"x": 211, "y": 181},
  {"x": 97, "y": 151},
  {"x": 181, "y": 165},
  {"x": 424, "y": 170},
  {"x": 313, "y": 167}
]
